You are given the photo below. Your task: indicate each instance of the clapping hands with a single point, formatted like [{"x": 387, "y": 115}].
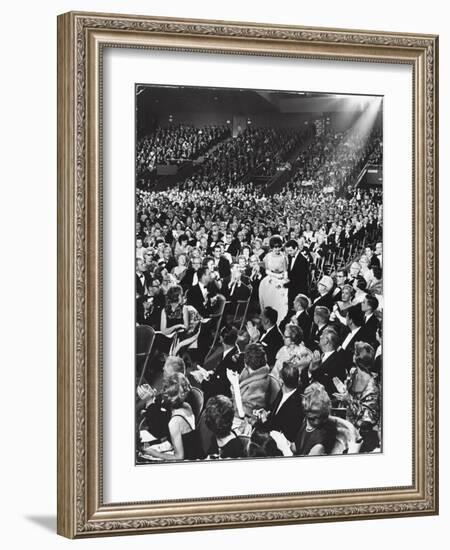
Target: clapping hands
[
  {"x": 200, "y": 374},
  {"x": 146, "y": 393},
  {"x": 252, "y": 331},
  {"x": 233, "y": 377},
  {"x": 315, "y": 361}
]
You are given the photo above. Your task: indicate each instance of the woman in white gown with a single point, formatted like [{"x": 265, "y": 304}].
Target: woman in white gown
[{"x": 272, "y": 292}]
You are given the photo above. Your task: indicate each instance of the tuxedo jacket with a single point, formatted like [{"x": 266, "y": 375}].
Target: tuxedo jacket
[
  {"x": 151, "y": 318},
  {"x": 233, "y": 248},
  {"x": 255, "y": 281},
  {"x": 374, "y": 261},
  {"x": 195, "y": 298},
  {"x": 240, "y": 291},
  {"x": 371, "y": 327},
  {"x": 334, "y": 365},
  {"x": 142, "y": 288},
  {"x": 218, "y": 383},
  {"x": 303, "y": 320},
  {"x": 326, "y": 301},
  {"x": 360, "y": 336},
  {"x": 188, "y": 278},
  {"x": 272, "y": 341},
  {"x": 224, "y": 267},
  {"x": 314, "y": 336},
  {"x": 298, "y": 277},
  {"x": 288, "y": 418}
]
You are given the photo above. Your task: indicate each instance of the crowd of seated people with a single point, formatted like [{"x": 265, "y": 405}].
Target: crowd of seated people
[
  {"x": 299, "y": 376},
  {"x": 176, "y": 144},
  {"x": 254, "y": 151},
  {"x": 333, "y": 160}
]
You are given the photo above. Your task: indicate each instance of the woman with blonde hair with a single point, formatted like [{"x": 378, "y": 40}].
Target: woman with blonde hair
[
  {"x": 183, "y": 435},
  {"x": 293, "y": 350},
  {"x": 317, "y": 434}
]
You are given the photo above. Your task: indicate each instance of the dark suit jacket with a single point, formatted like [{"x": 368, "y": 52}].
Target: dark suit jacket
[
  {"x": 224, "y": 267},
  {"x": 360, "y": 336},
  {"x": 141, "y": 288},
  {"x": 195, "y": 298},
  {"x": 290, "y": 416},
  {"x": 374, "y": 261},
  {"x": 371, "y": 327},
  {"x": 241, "y": 292},
  {"x": 234, "y": 248},
  {"x": 188, "y": 278},
  {"x": 326, "y": 301},
  {"x": 272, "y": 341},
  {"x": 303, "y": 320},
  {"x": 298, "y": 277},
  {"x": 255, "y": 281},
  {"x": 218, "y": 383},
  {"x": 333, "y": 366},
  {"x": 314, "y": 336}
]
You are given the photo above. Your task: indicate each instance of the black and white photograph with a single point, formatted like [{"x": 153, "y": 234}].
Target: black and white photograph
[{"x": 259, "y": 273}]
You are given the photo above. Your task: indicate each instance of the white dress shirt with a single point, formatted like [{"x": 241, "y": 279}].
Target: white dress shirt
[{"x": 204, "y": 291}]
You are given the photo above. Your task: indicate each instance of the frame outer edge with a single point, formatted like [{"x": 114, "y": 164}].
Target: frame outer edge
[
  {"x": 66, "y": 490},
  {"x": 76, "y": 206},
  {"x": 435, "y": 328}
]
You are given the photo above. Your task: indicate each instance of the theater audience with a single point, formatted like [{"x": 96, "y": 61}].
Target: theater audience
[{"x": 203, "y": 241}]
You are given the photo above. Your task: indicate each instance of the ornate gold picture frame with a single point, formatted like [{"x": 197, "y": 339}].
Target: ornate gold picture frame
[{"x": 82, "y": 38}]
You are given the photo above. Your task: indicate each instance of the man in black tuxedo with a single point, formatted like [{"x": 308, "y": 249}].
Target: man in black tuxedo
[
  {"x": 198, "y": 295},
  {"x": 297, "y": 272},
  {"x": 371, "y": 321},
  {"x": 191, "y": 277},
  {"x": 341, "y": 280},
  {"x": 234, "y": 289},
  {"x": 357, "y": 333},
  {"x": 148, "y": 311},
  {"x": 217, "y": 382},
  {"x": 321, "y": 322},
  {"x": 329, "y": 364},
  {"x": 325, "y": 294},
  {"x": 221, "y": 264},
  {"x": 143, "y": 279},
  {"x": 255, "y": 273},
  {"x": 272, "y": 339},
  {"x": 373, "y": 259},
  {"x": 232, "y": 244},
  {"x": 286, "y": 414},
  {"x": 299, "y": 315}
]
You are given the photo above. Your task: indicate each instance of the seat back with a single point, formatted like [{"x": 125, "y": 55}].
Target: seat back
[
  {"x": 214, "y": 325},
  {"x": 195, "y": 399},
  {"x": 145, "y": 338},
  {"x": 205, "y": 434},
  {"x": 273, "y": 390},
  {"x": 240, "y": 313}
]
